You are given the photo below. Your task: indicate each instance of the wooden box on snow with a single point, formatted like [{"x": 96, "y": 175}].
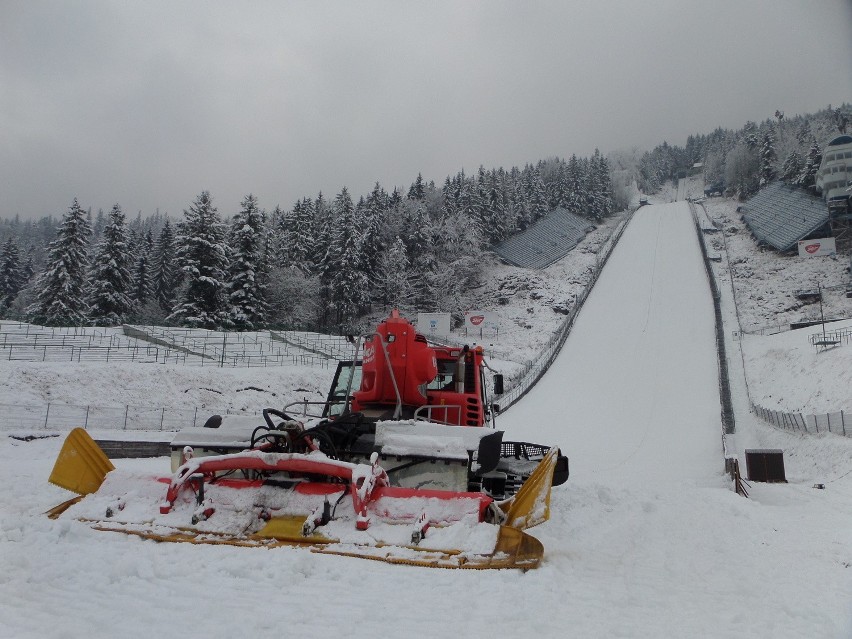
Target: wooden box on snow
[{"x": 764, "y": 464}]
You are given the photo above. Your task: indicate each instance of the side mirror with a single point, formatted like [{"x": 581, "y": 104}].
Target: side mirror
[{"x": 498, "y": 384}]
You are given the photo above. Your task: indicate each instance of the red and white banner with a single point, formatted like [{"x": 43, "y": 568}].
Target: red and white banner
[
  {"x": 485, "y": 320},
  {"x": 818, "y": 247}
]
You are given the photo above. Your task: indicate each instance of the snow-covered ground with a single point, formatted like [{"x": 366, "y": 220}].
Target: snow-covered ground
[{"x": 646, "y": 538}]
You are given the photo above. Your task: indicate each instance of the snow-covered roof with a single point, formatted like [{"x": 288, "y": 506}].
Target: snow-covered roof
[
  {"x": 546, "y": 241},
  {"x": 781, "y": 215},
  {"x": 842, "y": 139}
]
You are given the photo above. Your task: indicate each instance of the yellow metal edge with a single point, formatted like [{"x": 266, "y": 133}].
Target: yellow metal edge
[{"x": 81, "y": 465}]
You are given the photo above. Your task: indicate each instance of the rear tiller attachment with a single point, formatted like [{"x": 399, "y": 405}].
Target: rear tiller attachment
[{"x": 269, "y": 499}]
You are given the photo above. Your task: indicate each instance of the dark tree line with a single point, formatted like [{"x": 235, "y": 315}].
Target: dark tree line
[
  {"x": 747, "y": 159},
  {"x": 321, "y": 264}
]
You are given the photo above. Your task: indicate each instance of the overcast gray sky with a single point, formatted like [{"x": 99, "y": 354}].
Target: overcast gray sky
[{"x": 148, "y": 103}]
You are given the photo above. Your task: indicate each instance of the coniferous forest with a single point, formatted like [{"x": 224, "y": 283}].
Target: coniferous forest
[
  {"x": 327, "y": 260},
  {"x": 319, "y": 265},
  {"x": 745, "y": 160}
]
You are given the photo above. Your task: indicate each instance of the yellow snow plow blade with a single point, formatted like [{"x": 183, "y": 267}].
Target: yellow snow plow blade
[
  {"x": 81, "y": 465},
  {"x": 531, "y": 505},
  {"x": 514, "y": 549}
]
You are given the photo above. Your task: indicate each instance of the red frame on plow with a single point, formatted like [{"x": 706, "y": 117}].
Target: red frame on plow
[{"x": 367, "y": 483}]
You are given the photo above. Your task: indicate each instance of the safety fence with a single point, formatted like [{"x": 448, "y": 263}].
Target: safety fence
[
  {"x": 90, "y": 353},
  {"x": 837, "y": 337},
  {"x": 766, "y": 329},
  {"x": 537, "y": 367},
  {"x": 836, "y": 423},
  {"x": 774, "y": 329},
  {"x": 201, "y": 347},
  {"x": 334, "y": 347},
  {"x": 64, "y": 417},
  {"x": 728, "y": 420},
  {"x": 28, "y": 342},
  {"x": 20, "y": 341},
  {"x": 732, "y": 464}
]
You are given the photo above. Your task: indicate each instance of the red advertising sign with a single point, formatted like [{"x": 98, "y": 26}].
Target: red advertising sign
[
  {"x": 481, "y": 321},
  {"x": 817, "y": 247}
]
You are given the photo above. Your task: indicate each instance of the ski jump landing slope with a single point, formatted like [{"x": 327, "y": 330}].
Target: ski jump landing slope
[{"x": 633, "y": 396}]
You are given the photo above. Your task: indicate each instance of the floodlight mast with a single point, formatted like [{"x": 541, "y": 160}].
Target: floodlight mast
[{"x": 821, "y": 316}]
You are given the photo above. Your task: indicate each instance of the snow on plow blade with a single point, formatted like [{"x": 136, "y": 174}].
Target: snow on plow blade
[{"x": 261, "y": 499}]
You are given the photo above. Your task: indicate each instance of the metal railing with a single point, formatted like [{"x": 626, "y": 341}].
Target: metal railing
[
  {"x": 11, "y": 351},
  {"x": 728, "y": 419},
  {"x": 836, "y": 423},
  {"x": 837, "y": 337},
  {"x": 335, "y": 347},
  {"x": 64, "y": 417},
  {"x": 732, "y": 464},
  {"x": 233, "y": 349}
]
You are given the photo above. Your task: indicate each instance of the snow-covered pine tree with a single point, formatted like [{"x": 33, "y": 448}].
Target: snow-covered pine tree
[
  {"x": 11, "y": 274},
  {"x": 415, "y": 232},
  {"x": 342, "y": 274},
  {"x": 448, "y": 192},
  {"x": 481, "y": 207},
  {"x": 28, "y": 268},
  {"x": 768, "y": 158},
  {"x": 495, "y": 225},
  {"x": 467, "y": 201},
  {"x": 807, "y": 176},
  {"x": 166, "y": 273},
  {"x": 577, "y": 192},
  {"x": 841, "y": 119},
  {"x": 98, "y": 226},
  {"x": 266, "y": 262},
  {"x": 558, "y": 186},
  {"x": 371, "y": 221},
  {"x": 535, "y": 191},
  {"x": 521, "y": 208},
  {"x": 142, "y": 289},
  {"x": 246, "y": 281},
  {"x": 60, "y": 297},
  {"x": 392, "y": 278},
  {"x": 453, "y": 272},
  {"x": 750, "y": 135},
  {"x": 792, "y": 167},
  {"x": 286, "y": 235},
  {"x": 417, "y": 190},
  {"x": 427, "y": 265},
  {"x": 321, "y": 234},
  {"x": 804, "y": 135},
  {"x": 109, "y": 280},
  {"x": 203, "y": 259},
  {"x": 600, "y": 187},
  {"x": 303, "y": 239}
]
